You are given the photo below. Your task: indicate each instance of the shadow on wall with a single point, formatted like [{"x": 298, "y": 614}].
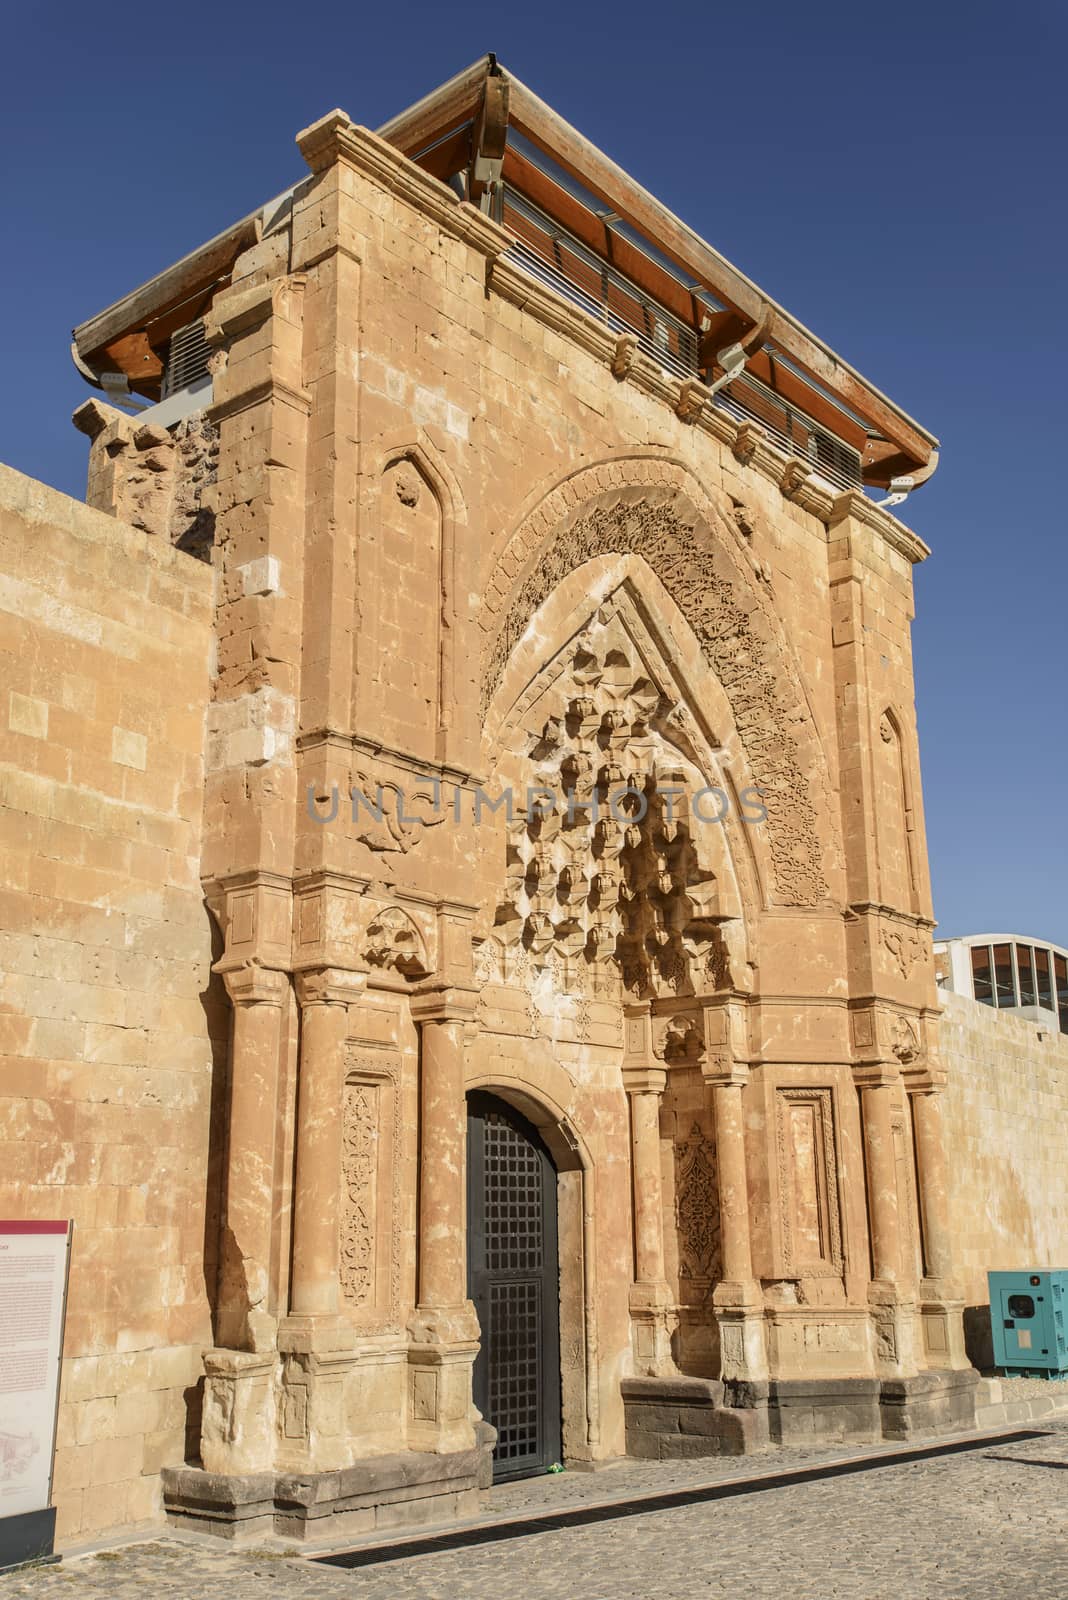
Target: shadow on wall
[{"x": 978, "y": 1338}]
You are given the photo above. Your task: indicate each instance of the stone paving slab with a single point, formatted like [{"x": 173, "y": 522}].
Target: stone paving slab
[{"x": 989, "y": 1522}]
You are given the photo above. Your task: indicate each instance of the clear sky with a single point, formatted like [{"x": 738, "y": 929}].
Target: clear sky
[{"x": 894, "y": 174}]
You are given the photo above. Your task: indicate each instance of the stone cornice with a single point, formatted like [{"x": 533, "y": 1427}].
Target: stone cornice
[
  {"x": 797, "y": 479},
  {"x": 856, "y": 505},
  {"x": 259, "y": 394},
  {"x": 335, "y": 739},
  {"x": 521, "y": 289},
  {"x": 873, "y": 908},
  {"x": 336, "y": 137}
]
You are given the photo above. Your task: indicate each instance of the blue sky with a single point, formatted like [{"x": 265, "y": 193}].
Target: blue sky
[{"x": 892, "y": 174}]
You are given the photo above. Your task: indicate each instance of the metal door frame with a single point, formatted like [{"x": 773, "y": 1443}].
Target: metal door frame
[{"x": 479, "y": 1103}]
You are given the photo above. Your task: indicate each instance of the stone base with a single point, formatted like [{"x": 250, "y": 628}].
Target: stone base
[
  {"x": 407, "y": 1490},
  {"x": 674, "y": 1418},
  {"x": 932, "y": 1402}
]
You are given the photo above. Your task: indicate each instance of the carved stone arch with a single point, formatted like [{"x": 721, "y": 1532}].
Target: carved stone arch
[
  {"x": 655, "y": 509},
  {"x": 407, "y": 468}
]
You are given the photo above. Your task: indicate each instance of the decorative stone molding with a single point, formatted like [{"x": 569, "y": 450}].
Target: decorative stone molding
[
  {"x": 441, "y": 1002},
  {"x": 624, "y": 355},
  {"x": 336, "y": 137},
  {"x": 823, "y": 1200},
  {"x": 369, "y": 1223},
  {"x": 697, "y": 1213},
  {"x": 693, "y": 398}
]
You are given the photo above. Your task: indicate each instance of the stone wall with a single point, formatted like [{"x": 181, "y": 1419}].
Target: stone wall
[
  {"x": 108, "y": 1006},
  {"x": 1006, "y": 1107}
]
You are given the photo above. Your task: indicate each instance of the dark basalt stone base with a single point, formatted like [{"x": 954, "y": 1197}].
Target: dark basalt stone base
[
  {"x": 668, "y": 1419},
  {"x": 932, "y": 1402},
  {"x": 406, "y": 1490}
]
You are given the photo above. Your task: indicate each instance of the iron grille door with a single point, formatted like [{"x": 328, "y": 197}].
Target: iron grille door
[{"x": 514, "y": 1280}]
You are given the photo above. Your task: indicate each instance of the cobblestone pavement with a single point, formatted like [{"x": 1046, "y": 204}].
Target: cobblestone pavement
[{"x": 989, "y": 1523}]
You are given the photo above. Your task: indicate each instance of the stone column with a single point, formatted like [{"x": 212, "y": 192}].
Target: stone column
[
  {"x": 877, "y": 1091},
  {"x": 940, "y": 1308},
  {"x": 444, "y": 1328},
  {"x": 650, "y": 1299},
  {"x": 735, "y": 1243},
  {"x": 934, "y": 1193},
  {"x": 890, "y": 1293},
  {"x": 246, "y": 1316},
  {"x": 737, "y": 1298},
  {"x": 314, "y": 1294},
  {"x": 316, "y": 1340}
]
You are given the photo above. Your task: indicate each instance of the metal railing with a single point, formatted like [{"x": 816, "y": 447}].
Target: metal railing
[
  {"x": 564, "y": 264},
  {"x": 749, "y": 400}
]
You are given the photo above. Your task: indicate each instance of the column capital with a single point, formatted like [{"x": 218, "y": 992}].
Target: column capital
[
  {"x": 439, "y": 1001},
  {"x": 329, "y": 986},
  {"x": 877, "y": 1075},
  {"x": 932, "y": 1081},
  {"x": 644, "y": 1080},
  {"x": 725, "y": 1074},
  {"x": 250, "y": 984}
]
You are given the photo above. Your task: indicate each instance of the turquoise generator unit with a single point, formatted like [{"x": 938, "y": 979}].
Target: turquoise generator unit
[{"x": 1029, "y": 1321}]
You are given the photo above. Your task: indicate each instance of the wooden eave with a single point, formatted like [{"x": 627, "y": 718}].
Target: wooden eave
[
  {"x": 439, "y": 133},
  {"x": 125, "y": 336},
  {"x": 899, "y": 440}
]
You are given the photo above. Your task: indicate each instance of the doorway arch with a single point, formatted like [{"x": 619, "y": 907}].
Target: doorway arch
[{"x": 513, "y": 1268}]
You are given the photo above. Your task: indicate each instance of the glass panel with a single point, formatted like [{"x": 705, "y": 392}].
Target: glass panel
[
  {"x": 982, "y": 983},
  {"x": 1060, "y": 973},
  {"x": 1045, "y": 986},
  {"x": 1026, "y": 968},
  {"x": 1021, "y": 1305},
  {"x": 1004, "y": 982}
]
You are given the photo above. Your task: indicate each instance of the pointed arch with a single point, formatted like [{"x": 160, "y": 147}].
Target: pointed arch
[
  {"x": 653, "y": 508},
  {"x": 431, "y": 469},
  {"x": 896, "y": 813}
]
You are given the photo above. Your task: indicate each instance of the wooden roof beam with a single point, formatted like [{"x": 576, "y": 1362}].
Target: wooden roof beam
[
  {"x": 440, "y": 112},
  {"x": 570, "y": 150}
]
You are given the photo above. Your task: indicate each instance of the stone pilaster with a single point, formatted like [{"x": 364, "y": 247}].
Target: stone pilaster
[
  {"x": 940, "y": 1308},
  {"x": 245, "y": 1311},
  {"x": 651, "y": 1301},
  {"x": 324, "y": 996},
  {"x": 444, "y": 1328},
  {"x": 737, "y": 1299},
  {"x": 890, "y": 1294}
]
